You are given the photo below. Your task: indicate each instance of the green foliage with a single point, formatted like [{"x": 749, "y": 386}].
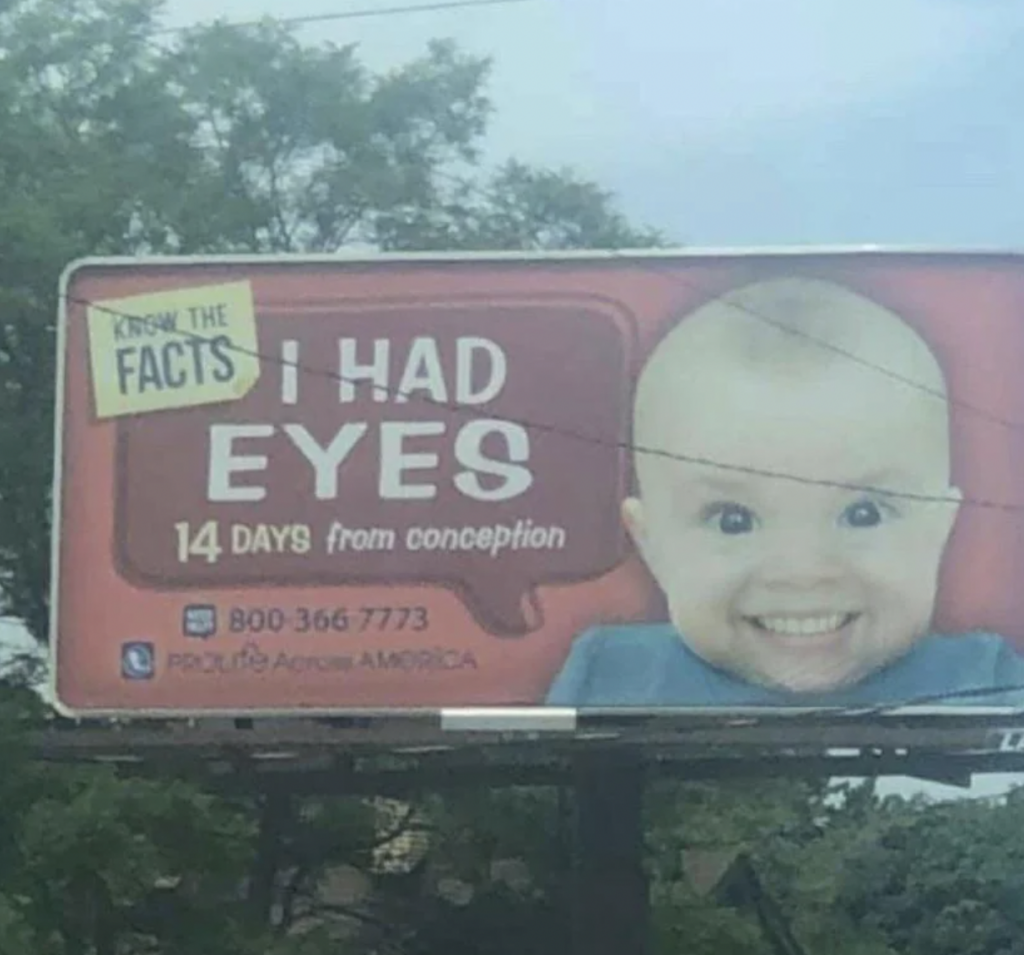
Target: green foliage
[
  {"x": 942, "y": 880},
  {"x": 95, "y": 863},
  {"x": 90, "y": 862},
  {"x": 682, "y": 922}
]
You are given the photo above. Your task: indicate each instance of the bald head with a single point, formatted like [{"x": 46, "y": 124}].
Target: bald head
[
  {"x": 792, "y": 326},
  {"x": 806, "y": 340}
]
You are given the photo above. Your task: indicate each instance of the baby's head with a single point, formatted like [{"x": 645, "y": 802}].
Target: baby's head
[{"x": 803, "y": 586}]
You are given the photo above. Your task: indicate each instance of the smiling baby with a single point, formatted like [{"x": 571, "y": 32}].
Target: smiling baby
[{"x": 795, "y": 515}]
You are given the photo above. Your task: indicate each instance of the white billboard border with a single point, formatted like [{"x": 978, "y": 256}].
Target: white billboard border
[{"x": 459, "y": 719}]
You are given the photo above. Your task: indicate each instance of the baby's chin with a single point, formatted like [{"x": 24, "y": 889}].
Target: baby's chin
[
  {"x": 801, "y": 678},
  {"x": 809, "y": 683},
  {"x": 815, "y": 678}
]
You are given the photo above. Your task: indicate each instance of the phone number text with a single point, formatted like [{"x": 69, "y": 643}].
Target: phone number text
[{"x": 327, "y": 619}]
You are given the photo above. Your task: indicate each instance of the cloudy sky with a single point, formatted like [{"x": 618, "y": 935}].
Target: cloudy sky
[{"x": 732, "y": 122}]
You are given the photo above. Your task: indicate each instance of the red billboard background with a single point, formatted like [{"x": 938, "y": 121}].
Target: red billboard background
[{"x": 435, "y": 526}]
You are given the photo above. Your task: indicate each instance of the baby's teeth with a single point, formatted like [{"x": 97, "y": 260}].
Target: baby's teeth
[{"x": 802, "y": 626}]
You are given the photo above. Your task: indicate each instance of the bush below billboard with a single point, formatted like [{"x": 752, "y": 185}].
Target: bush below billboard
[{"x": 609, "y": 481}]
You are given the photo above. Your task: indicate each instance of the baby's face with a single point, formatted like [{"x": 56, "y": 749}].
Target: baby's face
[{"x": 803, "y": 587}]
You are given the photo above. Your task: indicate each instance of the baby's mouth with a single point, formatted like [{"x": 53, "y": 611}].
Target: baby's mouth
[{"x": 804, "y": 625}]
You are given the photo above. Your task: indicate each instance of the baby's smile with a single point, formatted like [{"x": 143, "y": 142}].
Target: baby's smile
[{"x": 804, "y": 624}]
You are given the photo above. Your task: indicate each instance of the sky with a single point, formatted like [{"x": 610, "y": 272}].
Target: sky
[
  {"x": 730, "y": 122},
  {"x": 737, "y": 123}
]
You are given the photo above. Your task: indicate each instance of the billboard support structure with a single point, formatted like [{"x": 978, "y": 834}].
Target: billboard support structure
[
  {"x": 606, "y": 768},
  {"x": 610, "y": 903}
]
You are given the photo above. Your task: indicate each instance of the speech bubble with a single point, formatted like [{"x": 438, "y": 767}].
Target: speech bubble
[{"x": 476, "y": 445}]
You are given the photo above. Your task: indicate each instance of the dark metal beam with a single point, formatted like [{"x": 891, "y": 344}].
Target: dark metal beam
[
  {"x": 610, "y": 904},
  {"x": 408, "y": 755}
]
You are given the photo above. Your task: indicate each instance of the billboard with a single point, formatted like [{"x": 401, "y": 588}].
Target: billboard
[{"x": 595, "y": 480}]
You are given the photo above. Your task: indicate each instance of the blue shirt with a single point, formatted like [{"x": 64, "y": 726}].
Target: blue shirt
[{"x": 649, "y": 665}]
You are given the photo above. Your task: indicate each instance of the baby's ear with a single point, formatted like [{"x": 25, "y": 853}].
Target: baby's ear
[
  {"x": 633, "y": 519},
  {"x": 956, "y": 497}
]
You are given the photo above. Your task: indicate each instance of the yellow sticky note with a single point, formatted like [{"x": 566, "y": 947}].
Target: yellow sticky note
[{"x": 174, "y": 349}]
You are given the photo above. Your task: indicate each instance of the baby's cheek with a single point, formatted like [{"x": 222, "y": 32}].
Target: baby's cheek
[
  {"x": 885, "y": 562},
  {"x": 727, "y": 571},
  {"x": 904, "y": 592},
  {"x": 704, "y": 582}
]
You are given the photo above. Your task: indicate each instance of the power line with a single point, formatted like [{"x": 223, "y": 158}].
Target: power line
[
  {"x": 968, "y": 693},
  {"x": 893, "y": 375},
  {"x": 365, "y": 13},
  {"x": 573, "y": 434}
]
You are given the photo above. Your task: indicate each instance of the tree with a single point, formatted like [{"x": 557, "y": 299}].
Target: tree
[
  {"x": 116, "y": 140},
  {"x": 942, "y": 879},
  {"x": 697, "y": 831}
]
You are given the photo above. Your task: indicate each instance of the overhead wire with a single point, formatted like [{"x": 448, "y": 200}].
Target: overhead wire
[
  {"x": 581, "y": 436},
  {"x": 441, "y": 5},
  {"x": 852, "y": 356},
  {"x": 357, "y": 14},
  {"x": 879, "y": 710},
  {"x": 887, "y": 709}
]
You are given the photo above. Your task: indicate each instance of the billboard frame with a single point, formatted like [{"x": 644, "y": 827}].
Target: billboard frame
[
  {"x": 363, "y": 259},
  {"x": 322, "y": 753}
]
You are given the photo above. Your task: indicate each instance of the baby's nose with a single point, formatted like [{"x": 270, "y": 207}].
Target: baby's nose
[{"x": 800, "y": 560}]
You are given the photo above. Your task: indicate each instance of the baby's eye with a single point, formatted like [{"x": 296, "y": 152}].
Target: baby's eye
[
  {"x": 731, "y": 519},
  {"x": 864, "y": 513}
]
